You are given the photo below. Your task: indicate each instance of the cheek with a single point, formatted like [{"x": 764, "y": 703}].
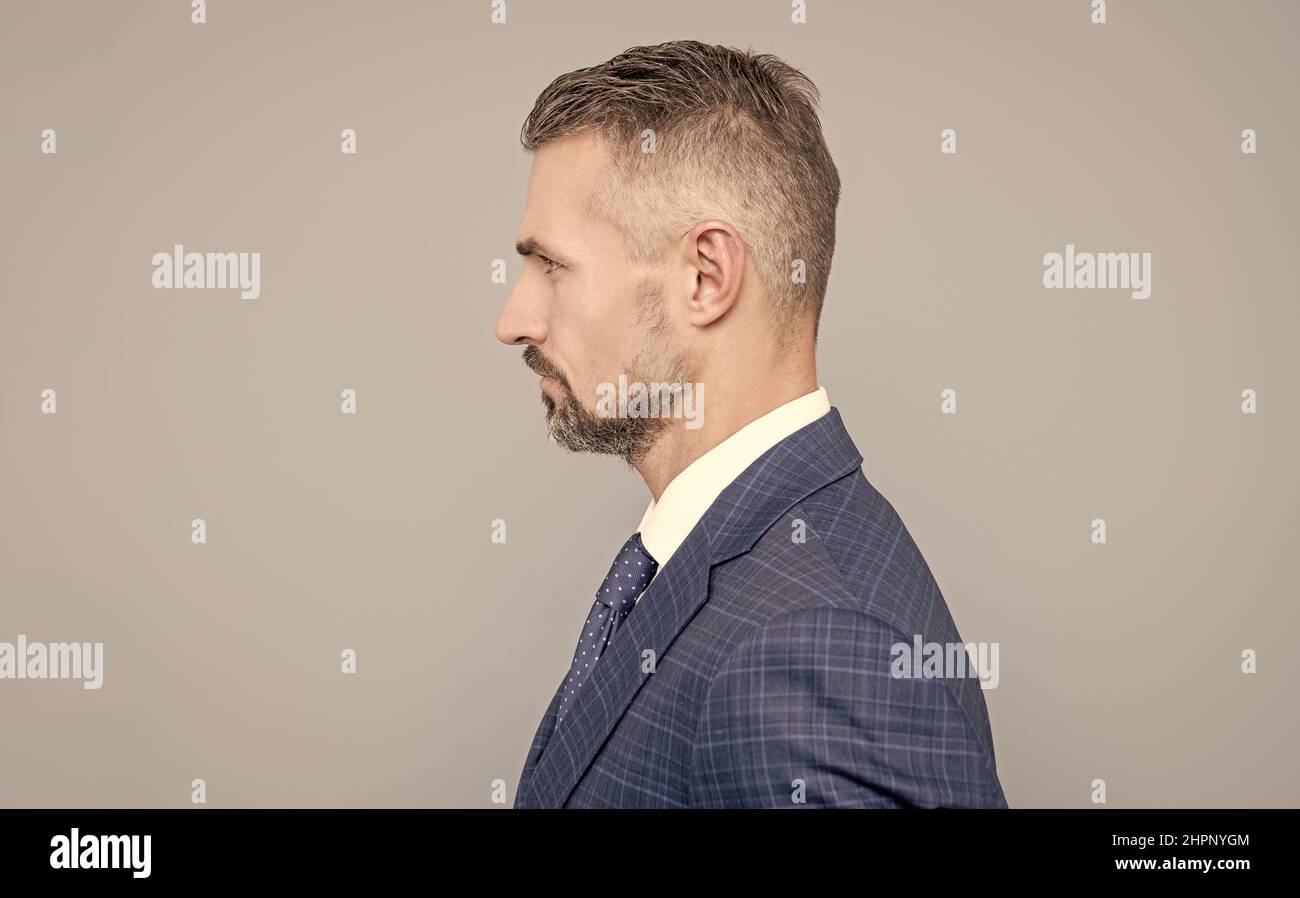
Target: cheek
[
  {"x": 596, "y": 323},
  {"x": 574, "y": 335}
]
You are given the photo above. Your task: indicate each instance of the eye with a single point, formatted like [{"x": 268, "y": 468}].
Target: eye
[{"x": 549, "y": 263}]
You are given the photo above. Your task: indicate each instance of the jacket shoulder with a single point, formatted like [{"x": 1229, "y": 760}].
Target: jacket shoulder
[{"x": 837, "y": 582}]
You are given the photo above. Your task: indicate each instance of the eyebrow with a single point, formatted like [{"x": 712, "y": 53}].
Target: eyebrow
[{"x": 532, "y": 246}]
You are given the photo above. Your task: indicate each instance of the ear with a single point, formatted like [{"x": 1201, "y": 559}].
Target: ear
[{"x": 716, "y": 252}]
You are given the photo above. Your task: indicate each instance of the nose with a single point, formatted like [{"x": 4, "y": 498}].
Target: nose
[{"x": 522, "y": 319}]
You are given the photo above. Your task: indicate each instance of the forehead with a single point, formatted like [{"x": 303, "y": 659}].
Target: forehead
[{"x": 564, "y": 174}]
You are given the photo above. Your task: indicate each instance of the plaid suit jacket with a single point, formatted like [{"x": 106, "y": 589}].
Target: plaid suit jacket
[{"x": 756, "y": 669}]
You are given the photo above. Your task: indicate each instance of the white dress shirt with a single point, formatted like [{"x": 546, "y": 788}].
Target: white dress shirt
[{"x": 666, "y": 523}]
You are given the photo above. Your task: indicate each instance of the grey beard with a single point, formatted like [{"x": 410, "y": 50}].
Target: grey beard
[{"x": 575, "y": 428}]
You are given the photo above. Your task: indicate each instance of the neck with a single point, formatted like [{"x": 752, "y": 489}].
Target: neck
[{"x": 731, "y": 404}]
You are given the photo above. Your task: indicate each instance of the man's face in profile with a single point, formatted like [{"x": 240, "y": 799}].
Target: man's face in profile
[{"x": 585, "y": 310}]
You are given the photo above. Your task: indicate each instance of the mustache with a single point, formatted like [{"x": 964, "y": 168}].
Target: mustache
[{"x": 542, "y": 366}]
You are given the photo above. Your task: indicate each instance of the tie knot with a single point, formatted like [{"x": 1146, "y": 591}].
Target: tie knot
[{"x": 631, "y": 572}]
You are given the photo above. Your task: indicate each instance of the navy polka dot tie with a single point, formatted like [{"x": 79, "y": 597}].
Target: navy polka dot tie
[{"x": 628, "y": 576}]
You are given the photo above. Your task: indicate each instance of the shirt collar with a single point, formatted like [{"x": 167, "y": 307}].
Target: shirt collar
[{"x": 666, "y": 523}]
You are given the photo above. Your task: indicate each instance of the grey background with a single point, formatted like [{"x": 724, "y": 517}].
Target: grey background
[{"x": 371, "y": 532}]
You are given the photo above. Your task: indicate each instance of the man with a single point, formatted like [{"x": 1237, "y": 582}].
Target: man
[{"x": 677, "y": 236}]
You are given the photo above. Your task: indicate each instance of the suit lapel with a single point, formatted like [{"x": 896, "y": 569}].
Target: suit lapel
[
  {"x": 799, "y": 465},
  {"x": 668, "y": 604}
]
